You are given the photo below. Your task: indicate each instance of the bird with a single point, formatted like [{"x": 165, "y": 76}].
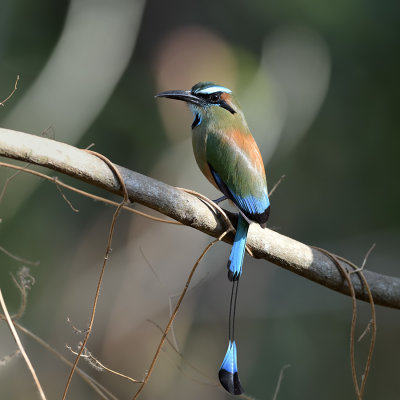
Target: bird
[{"x": 230, "y": 159}]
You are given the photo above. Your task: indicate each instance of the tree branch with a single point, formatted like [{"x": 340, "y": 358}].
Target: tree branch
[{"x": 189, "y": 210}]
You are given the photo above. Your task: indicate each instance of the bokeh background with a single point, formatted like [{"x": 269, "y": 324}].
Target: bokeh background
[{"x": 319, "y": 84}]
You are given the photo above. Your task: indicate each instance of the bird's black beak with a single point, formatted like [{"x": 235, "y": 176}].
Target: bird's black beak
[{"x": 184, "y": 95}]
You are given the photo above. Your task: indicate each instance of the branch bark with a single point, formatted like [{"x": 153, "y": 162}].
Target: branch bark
[{"x": 189, "y": 210}]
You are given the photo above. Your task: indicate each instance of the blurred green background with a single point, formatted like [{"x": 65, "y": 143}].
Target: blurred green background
[{"x": 318, "y": 82}]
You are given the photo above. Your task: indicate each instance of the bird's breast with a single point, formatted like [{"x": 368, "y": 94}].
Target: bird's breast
[{"x": 199, "y": 142}]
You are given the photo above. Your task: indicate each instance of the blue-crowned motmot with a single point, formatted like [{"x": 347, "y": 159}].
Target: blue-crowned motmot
[{"x": 229, "y": 157}]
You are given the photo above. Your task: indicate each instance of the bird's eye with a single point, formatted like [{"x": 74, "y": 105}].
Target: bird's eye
[{"x": 215, "y": 97}]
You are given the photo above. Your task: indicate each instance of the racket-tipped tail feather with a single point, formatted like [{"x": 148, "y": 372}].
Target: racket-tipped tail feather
[{"x": 228, "y": 373}]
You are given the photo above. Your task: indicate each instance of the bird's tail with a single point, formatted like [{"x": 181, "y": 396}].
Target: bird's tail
[
  {"x": 235, "y": 261},
  {"x": 228, "y": 374}
]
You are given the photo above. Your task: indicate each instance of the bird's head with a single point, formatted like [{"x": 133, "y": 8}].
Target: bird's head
[{"x": 207, "y": 100}]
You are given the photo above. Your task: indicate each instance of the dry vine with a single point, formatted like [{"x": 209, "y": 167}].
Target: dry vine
[{"x": 346, "y": 275}]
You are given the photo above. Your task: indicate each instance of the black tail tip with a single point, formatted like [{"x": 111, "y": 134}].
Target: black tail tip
[
  {"x": 233, "y": 276},
  {"x": 230, "y": 382}
]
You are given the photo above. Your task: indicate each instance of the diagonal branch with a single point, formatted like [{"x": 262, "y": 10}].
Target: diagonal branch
[{"x": 189, "y": 210}]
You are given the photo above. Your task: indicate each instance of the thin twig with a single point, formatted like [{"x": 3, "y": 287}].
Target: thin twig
[
  {"x": 20, "y": 347},
  {"x": 212, "y": 382},
  {"x": 49, "y": 132},
  {"x": 276, "y": 187},
  {"x": 172, "y": 326},
  {"x": 10, "y": 178},
  {"x": 90, "y": 146},
  {"x": 278, "y": 385},
  {"x": 19, "y": 259},
  {"x": 64, "y": 196},
  {"x": 148, "y": 263},
  {"x": 365, "y": 260},
  {"x": 12, "y": 93},
  {"x": 96, "y": 364},
  {"x": 366, "y": 331},
  {"x": 75, "y": 329}
]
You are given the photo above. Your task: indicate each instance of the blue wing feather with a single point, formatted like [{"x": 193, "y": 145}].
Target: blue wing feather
[{"x": 255, "y": 208}]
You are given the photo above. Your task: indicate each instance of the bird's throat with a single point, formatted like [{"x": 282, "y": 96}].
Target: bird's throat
[{"x": 197, "y": 120}]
